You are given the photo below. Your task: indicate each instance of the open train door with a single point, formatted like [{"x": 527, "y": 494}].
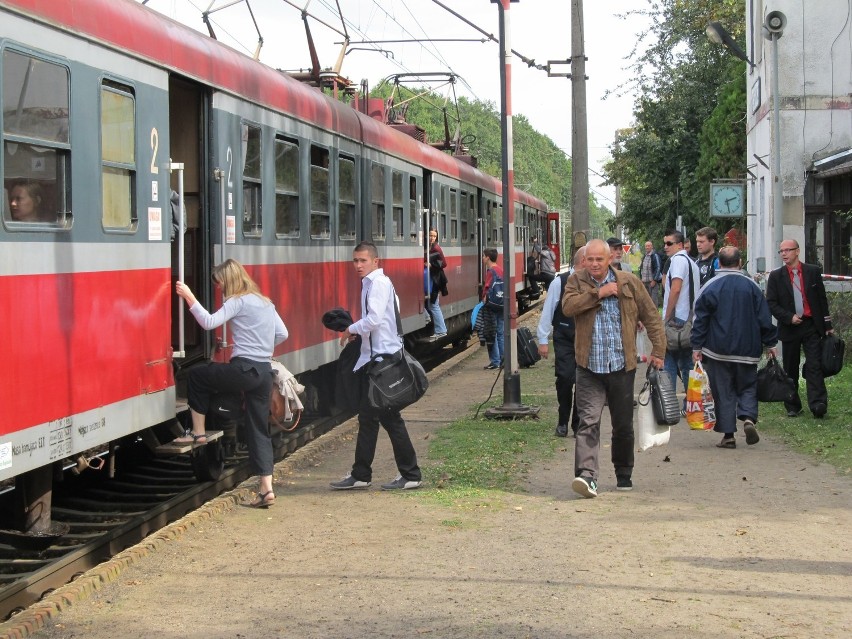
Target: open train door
[
  {"x": 188, "y": 126},
  {"x": 553, "y": 238}
]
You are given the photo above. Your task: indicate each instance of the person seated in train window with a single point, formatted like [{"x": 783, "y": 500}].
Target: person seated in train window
[{"x": 25, "y": 202}]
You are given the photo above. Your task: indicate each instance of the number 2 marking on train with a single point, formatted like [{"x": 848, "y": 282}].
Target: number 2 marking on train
[
  {"x": 230, "y": 159},
  {"x": 155, "y": 145}
]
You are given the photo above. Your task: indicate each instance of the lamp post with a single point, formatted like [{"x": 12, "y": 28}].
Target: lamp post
[{"x": 773, "y": 29}]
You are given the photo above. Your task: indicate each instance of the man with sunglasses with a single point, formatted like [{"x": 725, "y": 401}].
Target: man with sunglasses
[
  {"x": 796, "y": 297},
  {"x": 681, "y": 285}
]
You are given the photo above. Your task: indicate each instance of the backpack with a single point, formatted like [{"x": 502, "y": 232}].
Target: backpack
[{"x": 494, "y": 296}]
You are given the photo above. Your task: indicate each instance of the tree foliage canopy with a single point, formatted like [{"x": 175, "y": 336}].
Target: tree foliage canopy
[{"x": 689, "y": 118}]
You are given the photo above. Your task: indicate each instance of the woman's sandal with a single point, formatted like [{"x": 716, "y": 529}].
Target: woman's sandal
[
  {"x": 264, "y": 500},
  {"x": 191, "y": 438},
  {"x": 730, "y": 442}
]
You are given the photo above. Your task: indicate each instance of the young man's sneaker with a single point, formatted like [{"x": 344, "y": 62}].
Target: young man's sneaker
[
  {"x": 401, "y": 483},
  {"x": 348, "y": 483},
  {"x": 750, "y": 432},
  {"x": 585, "y": 487},
  {"x": 624, "y": 483}
]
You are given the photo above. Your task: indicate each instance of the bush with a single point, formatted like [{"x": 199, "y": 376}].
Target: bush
[{"x": 840, "y": 305}]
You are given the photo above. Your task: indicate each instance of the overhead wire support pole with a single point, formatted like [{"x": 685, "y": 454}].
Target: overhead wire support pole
[
  {"x": 512, "y": 407},
  {"x": 580, "y": 221}
]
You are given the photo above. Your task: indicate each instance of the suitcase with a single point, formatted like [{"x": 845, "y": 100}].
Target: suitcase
[{"x": 527, "y": 348}]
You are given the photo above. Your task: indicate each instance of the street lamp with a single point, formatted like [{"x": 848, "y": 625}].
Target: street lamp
[{"x": 717, "y": 34}]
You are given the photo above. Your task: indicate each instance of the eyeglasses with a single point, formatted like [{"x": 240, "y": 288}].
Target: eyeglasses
[
  {"x": 787, "y": 250},
  {"x": 671, "y": 243}
]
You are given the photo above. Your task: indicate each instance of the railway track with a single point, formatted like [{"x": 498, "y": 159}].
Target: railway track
[{"x": 105, "y": 516}]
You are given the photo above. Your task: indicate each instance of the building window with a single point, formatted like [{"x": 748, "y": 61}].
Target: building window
[
  {"x": 377, "y": 194},
  {"x": 36, "y": 145},
  {"x": 320, "y": 217},
  {"x": 252, "y": 150},
  {"x": 118, "y": 156},
  {"x": 346, "y": 195},
  {"x": 286, "y": 188}
]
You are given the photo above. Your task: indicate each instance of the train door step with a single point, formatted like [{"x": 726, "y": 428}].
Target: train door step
[{"x": 171, "y": 448}]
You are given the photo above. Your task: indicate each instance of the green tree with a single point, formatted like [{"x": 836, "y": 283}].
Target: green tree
[{"x": 689, "y": 124}]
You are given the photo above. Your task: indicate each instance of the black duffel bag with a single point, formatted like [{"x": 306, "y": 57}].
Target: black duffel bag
[
  {"x": 395, "y": 381},
  {"x": 773, "y": 385},
  {"x": 833, "y": 349}
]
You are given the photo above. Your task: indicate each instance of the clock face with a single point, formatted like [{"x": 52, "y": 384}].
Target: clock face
[{"x": 726, "y": 200}]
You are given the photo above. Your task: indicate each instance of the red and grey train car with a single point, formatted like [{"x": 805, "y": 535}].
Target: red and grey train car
[{"x": 109, "y": 108}]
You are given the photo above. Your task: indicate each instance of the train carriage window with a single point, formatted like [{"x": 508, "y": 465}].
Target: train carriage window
[
  {"x": 36, "y": 144},
  {"x": 286, "y": 188},
  {"x": 463, "y": 217},
  {"x": 413, "y": 199},
  {"x": 346, "y": 196},
  {"x": 468, "y": 218},
  {"x": 377, "y": 195},
  {"x": 520, "y": 217},
  {"x": 320, "y": 215},
  {"x": 118, "y": 156},
  {"x": 396, "y": 194},
  {"x": 445, "y": 206},
  {"x": 252, "y": 149},
  {"x": 454, "y": 216}
]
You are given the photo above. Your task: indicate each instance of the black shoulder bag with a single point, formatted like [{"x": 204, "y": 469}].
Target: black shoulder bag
[{"x": 394, "y": 380}]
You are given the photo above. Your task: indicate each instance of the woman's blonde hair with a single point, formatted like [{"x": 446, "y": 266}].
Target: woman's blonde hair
[{"x": 234, "y": 280}]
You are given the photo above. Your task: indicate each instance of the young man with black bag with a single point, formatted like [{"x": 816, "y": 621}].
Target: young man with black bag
[{"x": 378, "y": 330}]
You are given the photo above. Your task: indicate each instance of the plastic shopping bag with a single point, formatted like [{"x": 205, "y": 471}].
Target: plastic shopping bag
[
  {"x": 648, "y": 432},
  {"x": 700, "y": 407},
  {"x": 643, "y": 350}
]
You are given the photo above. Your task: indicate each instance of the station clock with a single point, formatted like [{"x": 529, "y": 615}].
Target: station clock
[{"x": 727, "y": 199}]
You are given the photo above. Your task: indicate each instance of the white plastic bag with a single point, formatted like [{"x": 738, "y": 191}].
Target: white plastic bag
[
  {"x": 643, "y": 352},
  {"x": 648, "y": 432}
]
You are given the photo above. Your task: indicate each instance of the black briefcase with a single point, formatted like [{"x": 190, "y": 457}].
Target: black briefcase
[
  {"x": 664, "y": 399},
  {"x": 833, "y": 349}
]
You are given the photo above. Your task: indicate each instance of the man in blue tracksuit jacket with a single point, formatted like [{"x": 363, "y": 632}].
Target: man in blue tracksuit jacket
[{"x": 732, "y": 325}]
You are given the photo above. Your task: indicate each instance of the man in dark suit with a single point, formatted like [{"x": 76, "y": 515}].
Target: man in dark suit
[{"x": 796, "y": 298}]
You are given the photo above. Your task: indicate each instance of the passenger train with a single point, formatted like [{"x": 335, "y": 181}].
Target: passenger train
[{"x": 137, "y": 151}]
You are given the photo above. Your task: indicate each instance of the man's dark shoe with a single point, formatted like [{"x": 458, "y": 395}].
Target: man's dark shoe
[
  {"x": 794, "y": 413},
  {"x": 624, "y": 483},
  {"x": 562, "y": 430},
  {"x": 750, "y": 432},
  {"x": 401, "y": 483},
  {"x": 585, "y": 486},
  {"x": 819, "y": 410},
  {"x": 348, "y": 483}
]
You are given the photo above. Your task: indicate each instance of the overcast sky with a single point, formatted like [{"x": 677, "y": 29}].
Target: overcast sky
[{"x": 539, "y": 29}]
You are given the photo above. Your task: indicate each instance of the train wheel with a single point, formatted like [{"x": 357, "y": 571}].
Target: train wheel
[{"x": 208, "y": 461}]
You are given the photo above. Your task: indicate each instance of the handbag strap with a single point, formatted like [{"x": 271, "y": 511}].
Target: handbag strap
[
  {"x": 396, "y": 312},
  {"x": 691, "y": 285}
]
